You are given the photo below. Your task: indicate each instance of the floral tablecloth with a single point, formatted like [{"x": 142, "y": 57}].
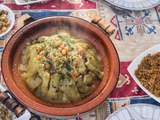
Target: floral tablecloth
[{"x": 135, "y": 32}]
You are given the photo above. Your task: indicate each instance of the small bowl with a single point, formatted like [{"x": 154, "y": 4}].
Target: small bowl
[
  {"x": 47, "y": 26},
  {"x": 11, "y": 18},
  {"x": 134, "y": 66}
]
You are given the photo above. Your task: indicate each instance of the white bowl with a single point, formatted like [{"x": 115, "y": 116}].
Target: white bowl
[
  {"x": 23, "y": 2},
  {"x": 134, "y": 66},
  {"x": 11, "y": 18}
]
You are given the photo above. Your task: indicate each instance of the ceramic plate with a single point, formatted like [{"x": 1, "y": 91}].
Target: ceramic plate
[
  {"x": 134, "y": 66},
  {"x": 24, "y": 2},
  {"x": 134, "y": 4},
  {"x": 11, "y": 18},
  {"x": 136, "y": 112}
]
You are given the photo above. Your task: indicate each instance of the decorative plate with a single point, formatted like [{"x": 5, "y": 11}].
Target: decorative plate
[
  {"x": 134, "y": 4},
  {"x": 136, "y": 112}
]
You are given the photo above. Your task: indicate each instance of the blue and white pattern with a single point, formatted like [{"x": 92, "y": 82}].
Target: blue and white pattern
[{"x": 143, "y": 23}]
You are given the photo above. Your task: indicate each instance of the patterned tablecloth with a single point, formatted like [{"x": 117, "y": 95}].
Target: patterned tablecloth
[{"x": 135, "y": 32}]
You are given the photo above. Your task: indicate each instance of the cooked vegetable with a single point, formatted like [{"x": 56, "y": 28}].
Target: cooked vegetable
[{"x": 60, "y": 68}]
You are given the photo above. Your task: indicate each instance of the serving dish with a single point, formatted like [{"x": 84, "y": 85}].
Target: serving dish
[
  {"x": 23, "y": 2},
  {"x": 47, "y": 26},
  {"x": 10, "y": 16},
  {"x": 134, "y": 66},
  {"x": 134, "y": 4}
]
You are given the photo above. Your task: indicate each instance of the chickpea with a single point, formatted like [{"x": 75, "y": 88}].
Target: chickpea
[
  {"x": 38, "y": 58},
  {"x": 57, "y": 42},
  {"x": 38, "y": 49},
  {"x": 7, "y": 23},
  {"x": 67, "y": 48},
  {"x": 3, "y": 18},
  {"x": 4, "y": 29},
  {"x": 42, "y": 53},
  {"x": 62, "y": 46},
  {"x": 64, "y": 51},
  {"x": 60, "y": 49}
]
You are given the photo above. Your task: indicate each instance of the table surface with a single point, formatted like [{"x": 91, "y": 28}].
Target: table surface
[{"x": 135, "y": 32}]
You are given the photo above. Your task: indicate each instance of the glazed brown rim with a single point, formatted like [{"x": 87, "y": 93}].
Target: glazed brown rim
[{"x": 26, "y": 101}]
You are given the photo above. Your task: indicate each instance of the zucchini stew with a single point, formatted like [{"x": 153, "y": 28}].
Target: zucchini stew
[{"x": 60, "y": 68}]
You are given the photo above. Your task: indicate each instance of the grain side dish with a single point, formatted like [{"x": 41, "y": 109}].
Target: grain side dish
[
  {"x": 4, "y": 22},
  {"x": 148, "y": 73},
  {"x": 61, "y": 68}
]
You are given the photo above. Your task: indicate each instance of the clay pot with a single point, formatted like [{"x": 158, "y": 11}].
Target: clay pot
[{"x": 47, "y": 26}]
